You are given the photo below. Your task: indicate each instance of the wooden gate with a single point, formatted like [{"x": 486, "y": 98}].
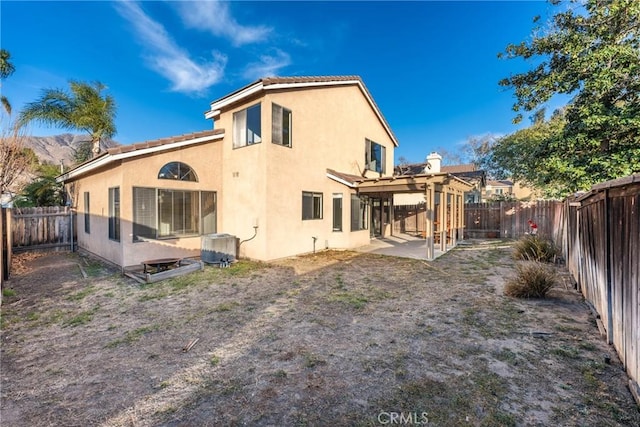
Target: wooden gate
[{"x": 49, "y": 228}]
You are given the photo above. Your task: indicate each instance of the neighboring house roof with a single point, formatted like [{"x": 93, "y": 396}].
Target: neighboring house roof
[
  {"x": 127, "y": 151},
  {"x": 468, "y": 167},
  {"x": 468, "y": 172},
  {"x": 501, "y": 183},
  {"x": 280, "y": 83},
  {"x": 416, "y": 168}
]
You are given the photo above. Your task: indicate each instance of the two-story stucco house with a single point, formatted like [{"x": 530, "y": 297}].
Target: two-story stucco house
[{"x": 276, "y": 170}]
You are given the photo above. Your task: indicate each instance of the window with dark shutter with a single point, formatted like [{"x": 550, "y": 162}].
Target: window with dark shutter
[
  {"x": 280, "y": 125},
  {"x": 375, "y": 156}
]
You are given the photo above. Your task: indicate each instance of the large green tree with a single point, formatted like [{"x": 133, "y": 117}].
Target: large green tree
[
  {"x": 83, "y": 108},
  {"x": 43, "y": 190},
  {"x": 590, "y": 51}
]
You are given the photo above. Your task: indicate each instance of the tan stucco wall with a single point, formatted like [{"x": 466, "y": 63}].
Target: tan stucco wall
[
  {"x": 257, "y": 185},
  {"x": 263, "y": 183},
  {"x": 142, "y": 172},
  {"x": 97, "y": 240}
]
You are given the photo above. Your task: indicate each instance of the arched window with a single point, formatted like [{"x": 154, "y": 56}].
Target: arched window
[{"x": 178, "y": 171}]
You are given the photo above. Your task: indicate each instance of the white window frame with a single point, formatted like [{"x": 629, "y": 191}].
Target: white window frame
[
  {"x": 243, "y": 133},
  {"x": 373, "y": 163},
  {"x": 281, "y": 125},
  {"x": 311, "y": 205}
]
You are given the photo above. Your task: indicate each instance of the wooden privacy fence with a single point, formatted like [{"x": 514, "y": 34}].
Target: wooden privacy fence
[
  {"x": 510, "y": 219},
  {"x": 410, "y": 219},
  {"x": 599, "y": 236},
  {"x": 600, "y": 239},
  {"x": 5, "y": 245},
  {"x": 487, "y": 220},
  {"x": 48, "y": 228}
]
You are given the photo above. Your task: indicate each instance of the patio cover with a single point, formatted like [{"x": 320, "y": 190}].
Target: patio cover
[{"x": 451, "y": 194}]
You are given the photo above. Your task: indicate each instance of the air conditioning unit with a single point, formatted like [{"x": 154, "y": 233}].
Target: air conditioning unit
[{"x": 218, "y": 248}]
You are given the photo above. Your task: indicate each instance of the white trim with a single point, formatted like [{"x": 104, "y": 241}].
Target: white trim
[
  {"x": 216, "y": 106},
  {"x": 276, "y": 86},
  {"x": 341, "y": 181},
  {"x": 212, "y": 114},
  {"x": 108, "y": 158}
]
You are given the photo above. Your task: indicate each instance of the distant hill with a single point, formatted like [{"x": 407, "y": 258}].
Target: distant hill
[{"x": 57, "y": 148}]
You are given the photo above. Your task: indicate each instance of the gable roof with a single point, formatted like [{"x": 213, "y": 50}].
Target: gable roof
[
  {"x": 500, "y": 183},
  {"x": 147, "y": 147},
  {"x": 280, "y": 83},
  {"x": 468, "y": 172},
  {"x": 468, "y": 167},
  {"x": 344, "y": 178}
]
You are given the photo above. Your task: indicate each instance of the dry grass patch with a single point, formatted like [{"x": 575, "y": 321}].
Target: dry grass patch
[
  {"x": 334, "y": 338},
  {"x": 535, "y": 248},
  {"x": 533, "y": 279}
]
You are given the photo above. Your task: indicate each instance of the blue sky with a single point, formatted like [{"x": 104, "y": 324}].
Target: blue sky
[{"x": 432, "y": 67}]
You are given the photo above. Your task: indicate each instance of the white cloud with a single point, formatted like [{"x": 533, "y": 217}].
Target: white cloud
[
  {"x": 169, "y": 59},
  {"x": 267, "y": 66},
  {"x": 215, "y": 17}
]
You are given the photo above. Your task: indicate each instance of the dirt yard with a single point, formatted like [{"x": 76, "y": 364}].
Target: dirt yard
[{"x": 336, "y": 338}]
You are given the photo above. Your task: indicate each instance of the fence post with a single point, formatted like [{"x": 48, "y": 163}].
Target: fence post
[
  {"x": 607, "y": 254},
  {"x": 5, "y": 244},
  {"x": 502, "y": 221},
  {"x": 71, "y": 227}
]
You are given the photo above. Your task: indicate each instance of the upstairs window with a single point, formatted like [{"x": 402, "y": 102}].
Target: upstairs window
[
  {"x": 375, "y": 157},
  {"x": 178, "y": 171},
  {"x": 280, "y": 125},
  {"x": 246, "y": 127}
]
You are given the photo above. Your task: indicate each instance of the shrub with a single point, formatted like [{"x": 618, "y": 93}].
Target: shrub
[
  {"x": 533, "y": 280},
  {"x": 535, "y": 248}
]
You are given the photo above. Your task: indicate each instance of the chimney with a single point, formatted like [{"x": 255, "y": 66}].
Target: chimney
[{"x": 434, "y": 160}]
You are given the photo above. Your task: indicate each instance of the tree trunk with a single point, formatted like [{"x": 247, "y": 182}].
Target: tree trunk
[{"x": 96, "y": 147}]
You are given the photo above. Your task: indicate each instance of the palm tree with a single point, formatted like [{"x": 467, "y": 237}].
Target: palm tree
[
  {"x": 84, "y": 108},
  {"x": 6, "y": 69}
]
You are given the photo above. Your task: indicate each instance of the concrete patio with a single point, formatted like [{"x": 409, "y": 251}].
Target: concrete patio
[{"x": 402, "y": 245}]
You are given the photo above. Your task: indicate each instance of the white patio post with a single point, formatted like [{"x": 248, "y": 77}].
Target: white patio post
[
  {"x": 454, "y": 218},
  {"x": 443, "y": 219},
  {"x": 430, "y": 214}
]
